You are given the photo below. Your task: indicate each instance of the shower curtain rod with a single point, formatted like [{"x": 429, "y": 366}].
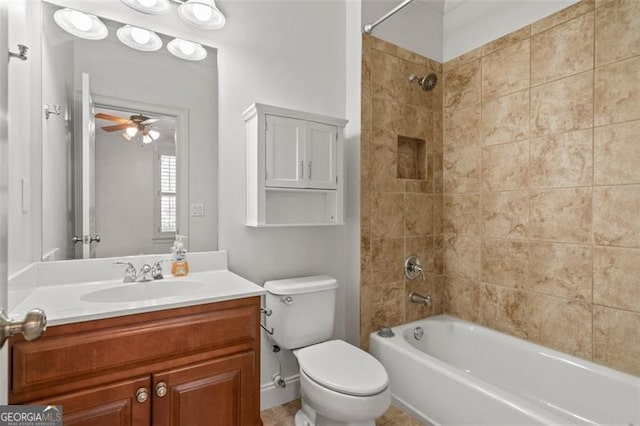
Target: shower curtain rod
[{"x": 369, "y": 27}]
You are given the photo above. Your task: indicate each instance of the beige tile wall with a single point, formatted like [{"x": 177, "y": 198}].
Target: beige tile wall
[
  {"x": 399, "y": 216},
  {"x": 541, "y": 179}
]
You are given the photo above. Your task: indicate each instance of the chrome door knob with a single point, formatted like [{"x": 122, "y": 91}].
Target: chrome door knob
[
  {"x": 161, "y": 389},
  {"x": 142, "y": 395},
  {"x": 95, "y": 239},
  {"x": 32, "y": 327}
]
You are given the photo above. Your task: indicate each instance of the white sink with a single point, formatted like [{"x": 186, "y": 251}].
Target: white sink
[{"x": 149, "y": 290}]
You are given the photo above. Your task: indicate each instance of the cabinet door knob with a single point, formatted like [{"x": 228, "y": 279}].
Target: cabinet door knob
[
  {"x": 161, "y": 389},
  {"x": 142, "y": 395}
]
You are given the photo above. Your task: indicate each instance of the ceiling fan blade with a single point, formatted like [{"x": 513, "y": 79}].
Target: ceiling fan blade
[
  {"x": 116, "y": 127},
  {"x": 112, "y": 118},
  {"x": 150, "y": 121}
]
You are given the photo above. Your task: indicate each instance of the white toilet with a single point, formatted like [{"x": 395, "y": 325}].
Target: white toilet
[{"x": 340, "y": 384}]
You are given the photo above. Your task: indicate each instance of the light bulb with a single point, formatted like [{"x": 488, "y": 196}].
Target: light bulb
[
  {"x": 140, "y": 36},
  {"x": 201, "y": 12},
  {"x": 154, "y": 134},
  {"x": 131, "y": 131},
  {"x": 81, "y": 21},
  {"x": 148, "y": 3},
  {"x": 147, "y": 139},
  {"x": 186, "y": 47}
]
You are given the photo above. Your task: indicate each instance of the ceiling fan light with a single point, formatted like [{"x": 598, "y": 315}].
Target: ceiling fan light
[
  {"x": 139, "y": 38},
  {"x": 154, "y": 134},
  {"x": 202, "y": 14},
  {"x": 147, "y": 139},
  {"x": 81, "y": 24},
  {"x": 187, "y": 50},
  {"x": 150, "y": 7},
  {"x": 131, "y": 131}
]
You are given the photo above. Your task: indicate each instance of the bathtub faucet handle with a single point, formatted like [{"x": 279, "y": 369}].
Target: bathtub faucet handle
[{"x": 413, "y": 267}]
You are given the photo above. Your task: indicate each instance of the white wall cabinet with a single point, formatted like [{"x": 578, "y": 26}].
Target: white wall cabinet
[{"x": 294, "y": 167}]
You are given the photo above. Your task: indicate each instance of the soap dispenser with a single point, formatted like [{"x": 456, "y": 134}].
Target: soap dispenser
[{"x": 180, "y": 266}]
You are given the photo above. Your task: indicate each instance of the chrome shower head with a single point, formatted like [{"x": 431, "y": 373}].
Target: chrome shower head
[{"x": 428, "y": 82}]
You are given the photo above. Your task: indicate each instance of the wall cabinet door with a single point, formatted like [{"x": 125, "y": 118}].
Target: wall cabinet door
[
  {"x": 300, "y": 154},
  {"x": 321, "y": 159},
  {"x": 107, "y": 405},
  {"x": 221, "y": 392},
  {"x": 285, "y": 146}
]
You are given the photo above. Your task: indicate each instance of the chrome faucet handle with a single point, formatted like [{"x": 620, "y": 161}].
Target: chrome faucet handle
[
  {"x": 130, "y": 273},
  {"x": 145, "y": 273},
  {"x": 156, "y": 270},
  {"x": 413, "y": 267}
]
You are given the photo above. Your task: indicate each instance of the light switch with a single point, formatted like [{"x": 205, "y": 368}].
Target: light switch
[
  {"x": 197, "y": 209},
  {"x": 26, "y": 195}
]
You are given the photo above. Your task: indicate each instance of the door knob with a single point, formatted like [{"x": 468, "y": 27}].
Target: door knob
[
  {"x": 77, "y": 239},
  {"x": 161, "y": 389},
  {"x": 95, "y": 239},
  {"x": 142, "y": 395},
  {"x": 32, "y": 327}
]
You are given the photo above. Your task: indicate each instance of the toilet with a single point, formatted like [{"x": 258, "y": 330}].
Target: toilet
[{"x": 340, "y": 384}]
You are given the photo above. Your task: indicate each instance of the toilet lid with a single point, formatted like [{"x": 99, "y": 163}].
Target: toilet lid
[{"x": 343, "y": 368}]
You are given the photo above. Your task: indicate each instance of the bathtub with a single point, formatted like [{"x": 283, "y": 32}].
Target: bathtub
[{"x": 460, "y": 373}]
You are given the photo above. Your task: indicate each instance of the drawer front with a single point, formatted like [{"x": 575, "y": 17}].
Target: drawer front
[{"x": 77, "y": 355}]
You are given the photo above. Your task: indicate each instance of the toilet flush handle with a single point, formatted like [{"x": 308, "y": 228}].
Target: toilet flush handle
[{"x": 287, "y": 300}]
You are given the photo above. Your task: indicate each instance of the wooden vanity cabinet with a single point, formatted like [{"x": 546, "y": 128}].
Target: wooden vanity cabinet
[{"x": 180, "y": 367}]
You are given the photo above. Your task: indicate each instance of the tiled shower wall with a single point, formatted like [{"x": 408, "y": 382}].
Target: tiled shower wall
[
  {"x": 401, "y": 185},
  {"x": 541, "y": 205}
]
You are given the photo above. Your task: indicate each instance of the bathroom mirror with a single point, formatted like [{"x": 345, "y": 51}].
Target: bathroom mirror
[{"x": 129, "y": 146}]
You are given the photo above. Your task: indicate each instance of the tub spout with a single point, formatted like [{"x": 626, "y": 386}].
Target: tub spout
[{"x": 418, "y": 298}]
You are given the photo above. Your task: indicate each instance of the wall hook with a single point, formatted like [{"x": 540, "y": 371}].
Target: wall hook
[
  {"x": 22, "y": 55},
  {"x": 56, "y": 110}
]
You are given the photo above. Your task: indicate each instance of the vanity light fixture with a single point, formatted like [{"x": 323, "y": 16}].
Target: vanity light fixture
[
  {"x": 81, "y": 24},
  {"x": 202, "y": 14},
  {"x": 186, "y": 50},
  {"x": 139, "y": 38},
  {"x": 150, "y": 7}
]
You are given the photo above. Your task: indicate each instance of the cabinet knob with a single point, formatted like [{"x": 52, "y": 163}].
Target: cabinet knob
[
  {"x": 161, "y": 389},
  {"x": 142, "y": 395}
]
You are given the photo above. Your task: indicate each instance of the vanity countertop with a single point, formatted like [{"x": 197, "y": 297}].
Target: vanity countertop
[{"x": 77, "y": 302}]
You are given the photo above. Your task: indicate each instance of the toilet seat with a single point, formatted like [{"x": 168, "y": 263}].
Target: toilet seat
[{"x": 343, "y": 368}]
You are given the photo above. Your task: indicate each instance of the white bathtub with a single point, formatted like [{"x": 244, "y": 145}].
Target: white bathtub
[{"x": 461, "y": 373}]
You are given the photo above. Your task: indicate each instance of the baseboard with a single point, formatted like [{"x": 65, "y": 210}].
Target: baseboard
[{"x": 272, "y": 396}]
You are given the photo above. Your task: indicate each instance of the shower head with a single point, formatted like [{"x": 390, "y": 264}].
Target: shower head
[{"x": 428, "y": 82}]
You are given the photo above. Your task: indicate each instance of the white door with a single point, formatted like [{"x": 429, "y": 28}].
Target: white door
[
  {"x": 322, "y": 141},
  {"x": 285, "y": 152},
  {"x": 4, "y": 196},
  {"x": 88, "y": 170}
]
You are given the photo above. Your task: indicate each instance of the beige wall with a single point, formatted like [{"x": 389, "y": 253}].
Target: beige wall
[
  {"x": 542, "y": 183},
  {"x": 398, "y": 216}
]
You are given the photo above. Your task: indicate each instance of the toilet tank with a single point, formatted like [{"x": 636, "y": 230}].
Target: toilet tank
[{"x": 303, "y": 310}]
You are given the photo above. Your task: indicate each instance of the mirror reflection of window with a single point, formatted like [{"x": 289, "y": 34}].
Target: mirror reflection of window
[{"x": 166, "y": 200}]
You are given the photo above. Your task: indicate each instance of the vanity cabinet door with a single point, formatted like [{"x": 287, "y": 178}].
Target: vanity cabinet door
[
  {"x": 220, "y": 392},
  {"x": 108, "y": 405}
]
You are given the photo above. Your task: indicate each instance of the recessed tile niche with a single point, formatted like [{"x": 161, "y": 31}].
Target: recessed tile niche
[{"x": 412, "y": 158}]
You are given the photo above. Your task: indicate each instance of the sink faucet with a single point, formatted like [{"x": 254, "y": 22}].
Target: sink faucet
[
  {"x": 129, "y": 273},
  {"x": 156, "y": 270},
  {"x": 145, "y": 273}
]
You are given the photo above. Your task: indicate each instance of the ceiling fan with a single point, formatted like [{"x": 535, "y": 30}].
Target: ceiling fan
[{"x": 136, "y": 127}]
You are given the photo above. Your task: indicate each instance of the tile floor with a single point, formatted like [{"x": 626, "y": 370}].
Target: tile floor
[{"x": 283, "y": 415}]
